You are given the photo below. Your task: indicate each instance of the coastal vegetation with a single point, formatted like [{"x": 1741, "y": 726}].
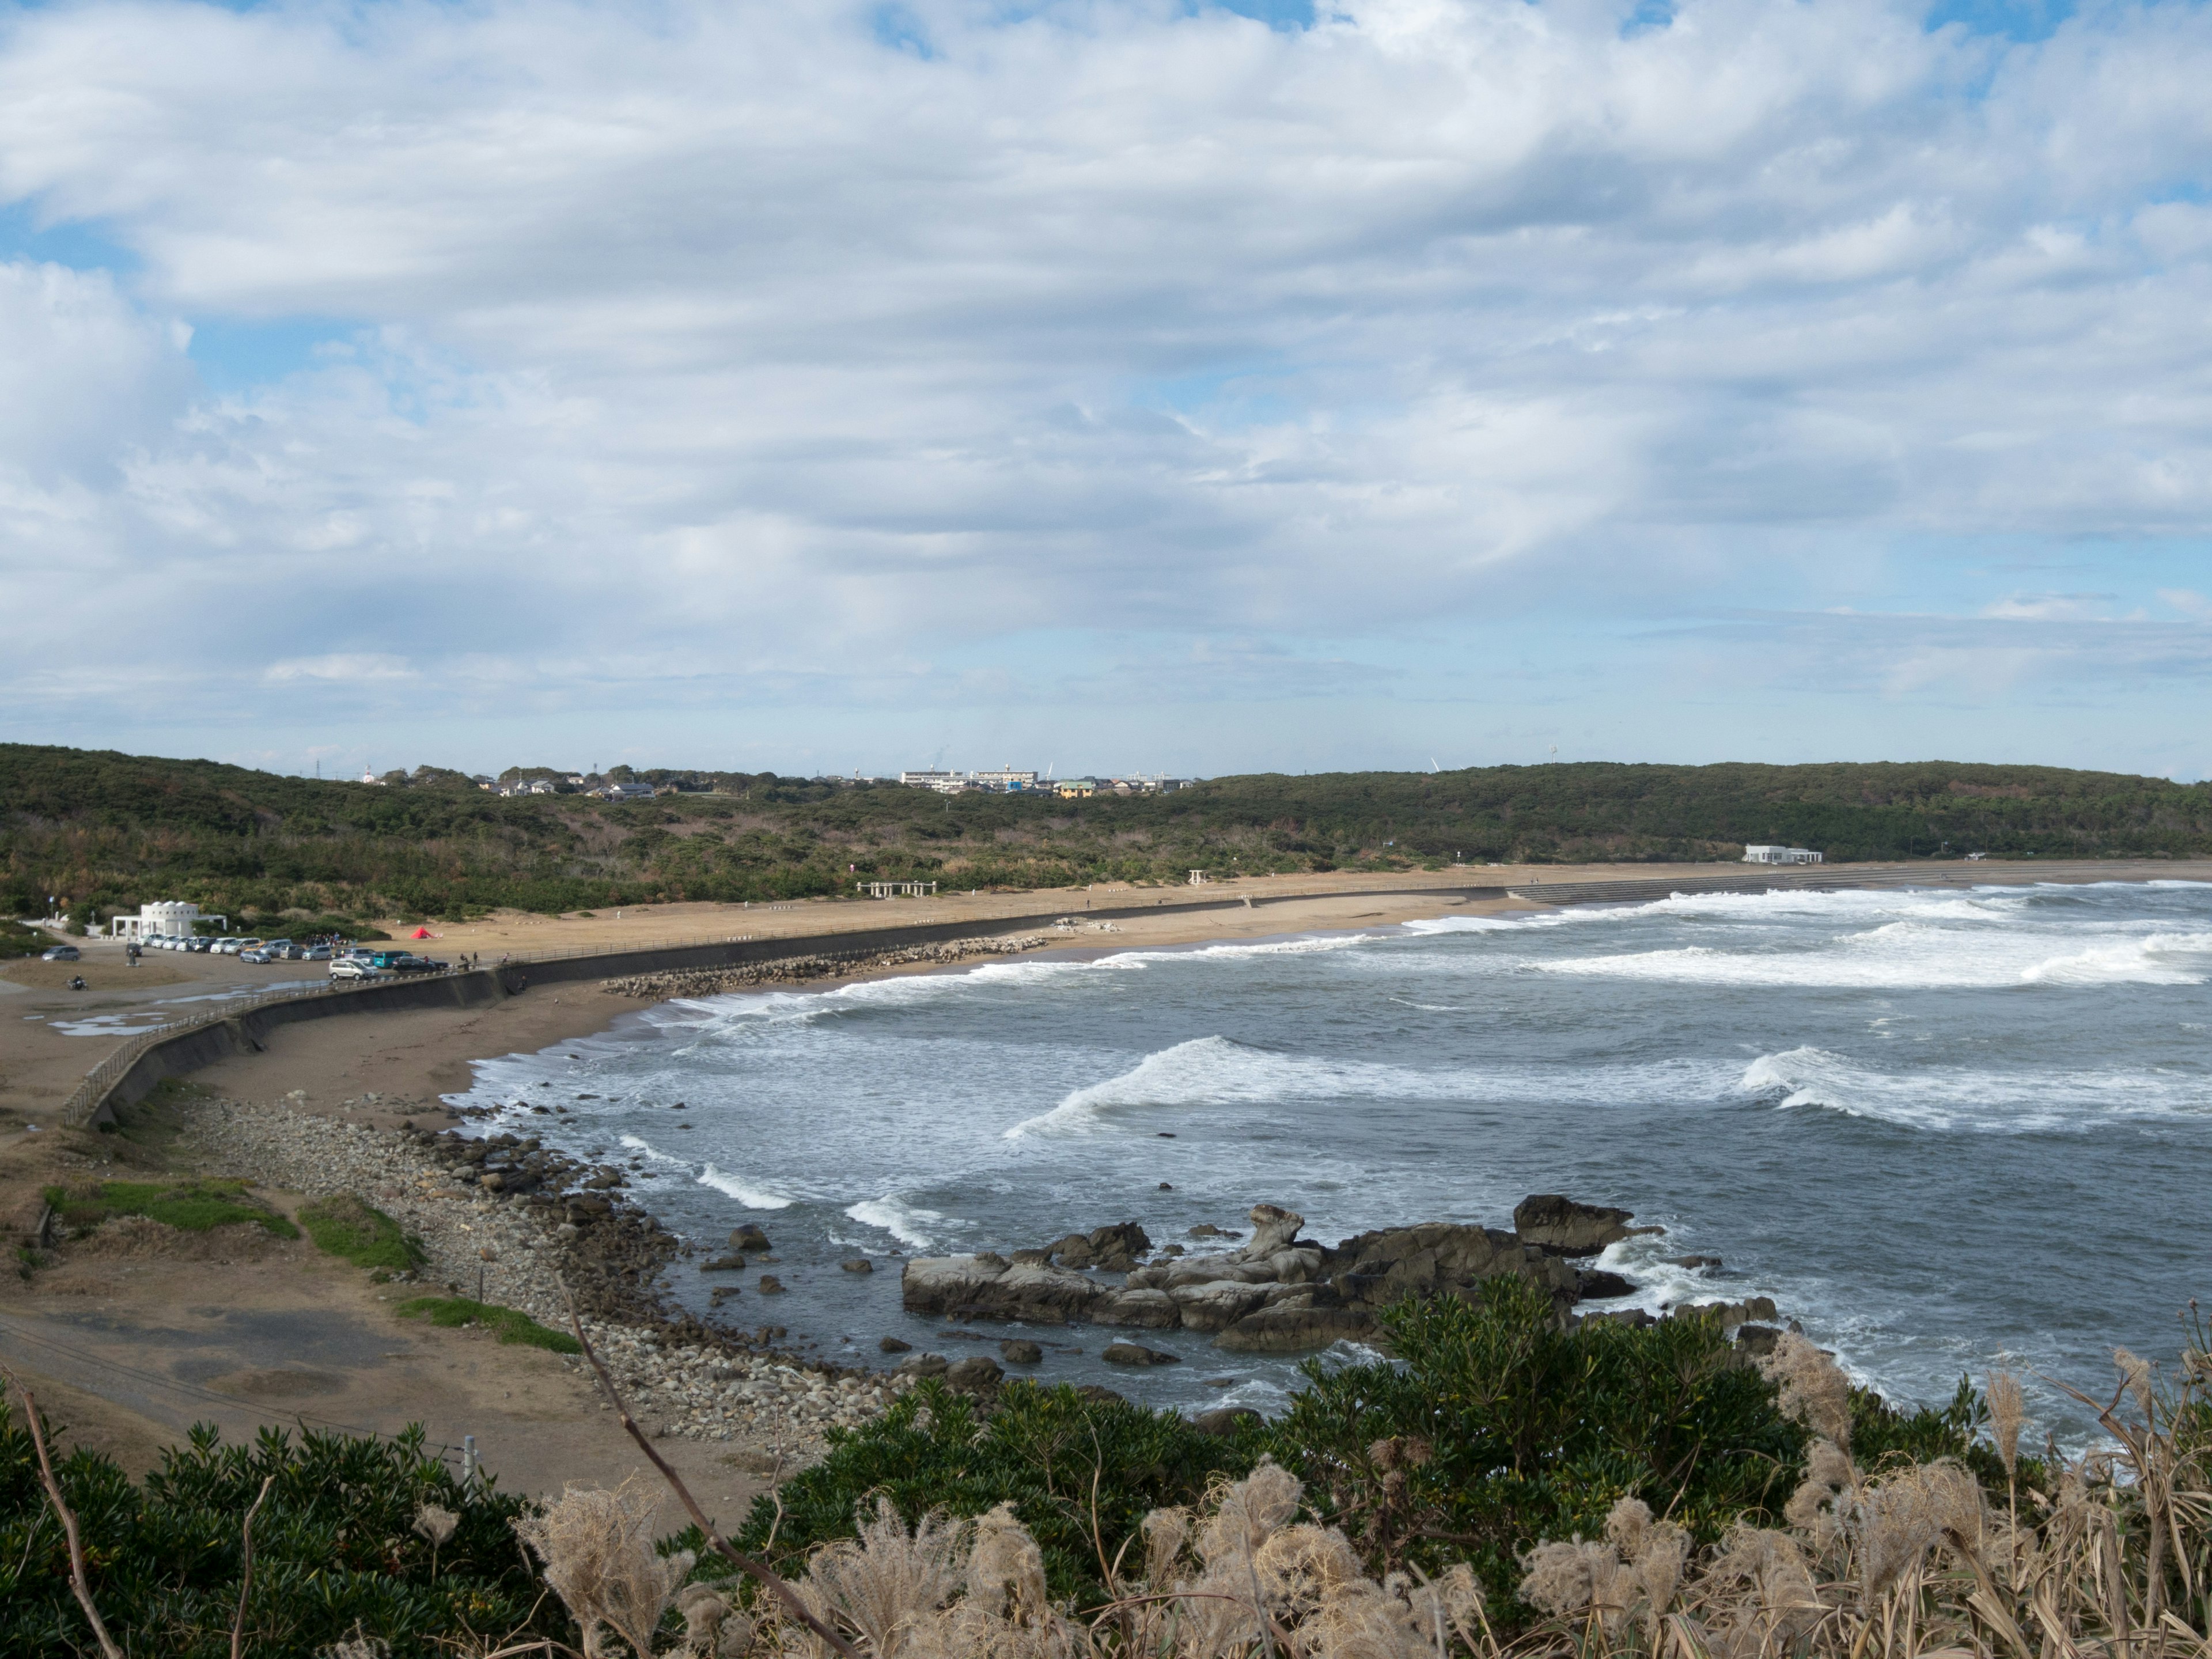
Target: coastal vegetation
[
  {"x": 192, "y": 1205},
  {"x": 1603, "y": 1492},
  {"x": 510, "y": 1325},
  {"x": 343, "y": 1226},
  {"x": 354, "y": 1537},
  {"x": 109, "y": 831},
  {"x": 1494, "y": 1428}
]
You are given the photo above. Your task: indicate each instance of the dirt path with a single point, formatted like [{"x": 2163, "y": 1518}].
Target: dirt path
[{"x": 132, "y": 1350}]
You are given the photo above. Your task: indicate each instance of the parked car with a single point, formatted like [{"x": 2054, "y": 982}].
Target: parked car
[
  {"x": 313, "y": 952},
  {"x": 62, "y": 953},
  {"x": 231, "y": 947},
  {"x": 420, "y": 965},
  {"x": 202, "y": 944},
  {"x": 260, "y": 954},
  {"x": 355, "y": 967}
]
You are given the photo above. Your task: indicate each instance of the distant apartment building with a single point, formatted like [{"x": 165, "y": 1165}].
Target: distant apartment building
[
  {"x": 1010, "y": 780},
  {"x": 1780, "y": 855},
  {"x": 946, "y": 783}
]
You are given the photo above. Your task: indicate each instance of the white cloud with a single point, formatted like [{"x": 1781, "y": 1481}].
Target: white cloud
[
  {"x": 735, "y": 330},
  {"x": 344, "y": 666}
]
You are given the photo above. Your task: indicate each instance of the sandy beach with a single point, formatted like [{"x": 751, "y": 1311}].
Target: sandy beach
[{"x": 131, "y": 1351}]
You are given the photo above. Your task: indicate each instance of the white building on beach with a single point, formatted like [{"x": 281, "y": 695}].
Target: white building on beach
[
  {"x": 163, "y": 919},
  {"x": 1780, "y": 855}
]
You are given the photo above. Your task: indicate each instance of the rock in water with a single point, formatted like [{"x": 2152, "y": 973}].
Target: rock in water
[
  {"x": 721, "y": 1264},
  {"x": 748, "y": 1238},
  {"x": 1130, "y": 1354},
  {"x": 1292, "y": 1329},
  {"x": 924, "y": 1364},
  {"x": 1564, "y": 1227},
  {"x": 1595, "y": 1284},
  {"x": 975, "y": 1375},
  {"x": 986, "y": 1287},
  {"x": 1223, "y": 1419},
  {"x": 859, "y": 1264},
  {"x": 1017, "y": 1352},
  {"x": 892, "y": 1345},
  {"x": 771, "y": 1285}
]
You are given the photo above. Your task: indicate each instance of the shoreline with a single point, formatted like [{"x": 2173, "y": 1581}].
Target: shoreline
[{"x": 320, "y": 1077}]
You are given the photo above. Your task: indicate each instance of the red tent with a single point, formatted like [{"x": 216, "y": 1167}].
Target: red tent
[{"x": 422, "y": 933}]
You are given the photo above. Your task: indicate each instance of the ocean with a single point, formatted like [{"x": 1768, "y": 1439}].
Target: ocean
[{"x": 1941, "y": 1129}]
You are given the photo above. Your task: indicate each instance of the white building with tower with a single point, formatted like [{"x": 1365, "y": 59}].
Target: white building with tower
[{"x": 163, "y": 919}]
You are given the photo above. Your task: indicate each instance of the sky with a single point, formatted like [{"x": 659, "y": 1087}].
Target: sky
[{"x": 1116, "y": 385}]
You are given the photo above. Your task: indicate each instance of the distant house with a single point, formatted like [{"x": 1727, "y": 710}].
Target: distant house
[
  {"x": 625, "y": 792},
  {"x": 1073, "y": 788},
  {"x": 1780, "y": 855}
]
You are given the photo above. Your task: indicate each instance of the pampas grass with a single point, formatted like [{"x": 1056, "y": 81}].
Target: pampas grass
[
  {"x": 597, "y": 1549},
  {"x": 2106, "y": 1556}
]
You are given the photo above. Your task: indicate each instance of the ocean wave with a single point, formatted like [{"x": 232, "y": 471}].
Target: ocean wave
[
  {"x": 1971, "y": 1100},
  {"x": 640, "y": 1144},
  {"x": 1217, "y": 1071},
  {"x": 1519, "y": 922},
  {"x": 902, "y": 1221},
  {"x": 751, "y": 1193},
  {"x": 1916, "y": 954}
]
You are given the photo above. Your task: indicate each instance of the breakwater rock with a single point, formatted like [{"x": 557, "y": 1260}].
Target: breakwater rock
[
  {"x": 794, "y": 970},
  {"x": 1276, "y": 1293}
]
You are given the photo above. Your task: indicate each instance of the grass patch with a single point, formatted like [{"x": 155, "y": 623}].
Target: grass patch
[
  {"x": 342, "y": 1225},
  {"x": 192, "y": 1207},
  {"x": 451, "y": 1312},
  {"x": 16, "y": 940}
]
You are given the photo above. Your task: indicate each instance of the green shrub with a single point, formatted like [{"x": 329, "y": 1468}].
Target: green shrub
[
  {"x": 451, "y": 1312},
  {"x": 334, "y": 1545},
  {"x": 1500, "y": 1427},
  {"x": 192, "y": 1206},
  {"x": 1081, "y": 1472},
  {"x": 17, "y": 940},
  {"x": 343, "y": 1225}
]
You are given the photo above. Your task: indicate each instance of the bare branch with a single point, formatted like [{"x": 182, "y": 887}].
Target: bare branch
[
  {"x": 77, "y": 1581},
  {"x": 245, "y": 1570},
  {"x": 758, "y": 1570}
]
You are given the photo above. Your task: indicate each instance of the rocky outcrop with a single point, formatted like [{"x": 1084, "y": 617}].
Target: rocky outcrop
[
  {"x": 988, "y": 1287},
  {"x": 1277, "y": 1292},
  {"x": 1564, "y": 1227},
  {"x": 1104, "y": 1247}
]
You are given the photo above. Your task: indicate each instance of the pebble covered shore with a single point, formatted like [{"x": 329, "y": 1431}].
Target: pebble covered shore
[{"x": 681, "y": 1378}]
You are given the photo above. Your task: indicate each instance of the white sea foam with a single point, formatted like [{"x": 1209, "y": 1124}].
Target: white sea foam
[
  {"x": 902, "y": 1221},
  {"x": 1916, "y": 953},
  {"x": 1973, "y": 1100},
  {"x": 751, "y": 1193},
  {"x": 639, "y": 1144},
  {"x": 1510, "y": 923}
]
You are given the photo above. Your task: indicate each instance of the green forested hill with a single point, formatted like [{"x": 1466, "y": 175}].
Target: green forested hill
[{"x": 113, "y": 830}]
